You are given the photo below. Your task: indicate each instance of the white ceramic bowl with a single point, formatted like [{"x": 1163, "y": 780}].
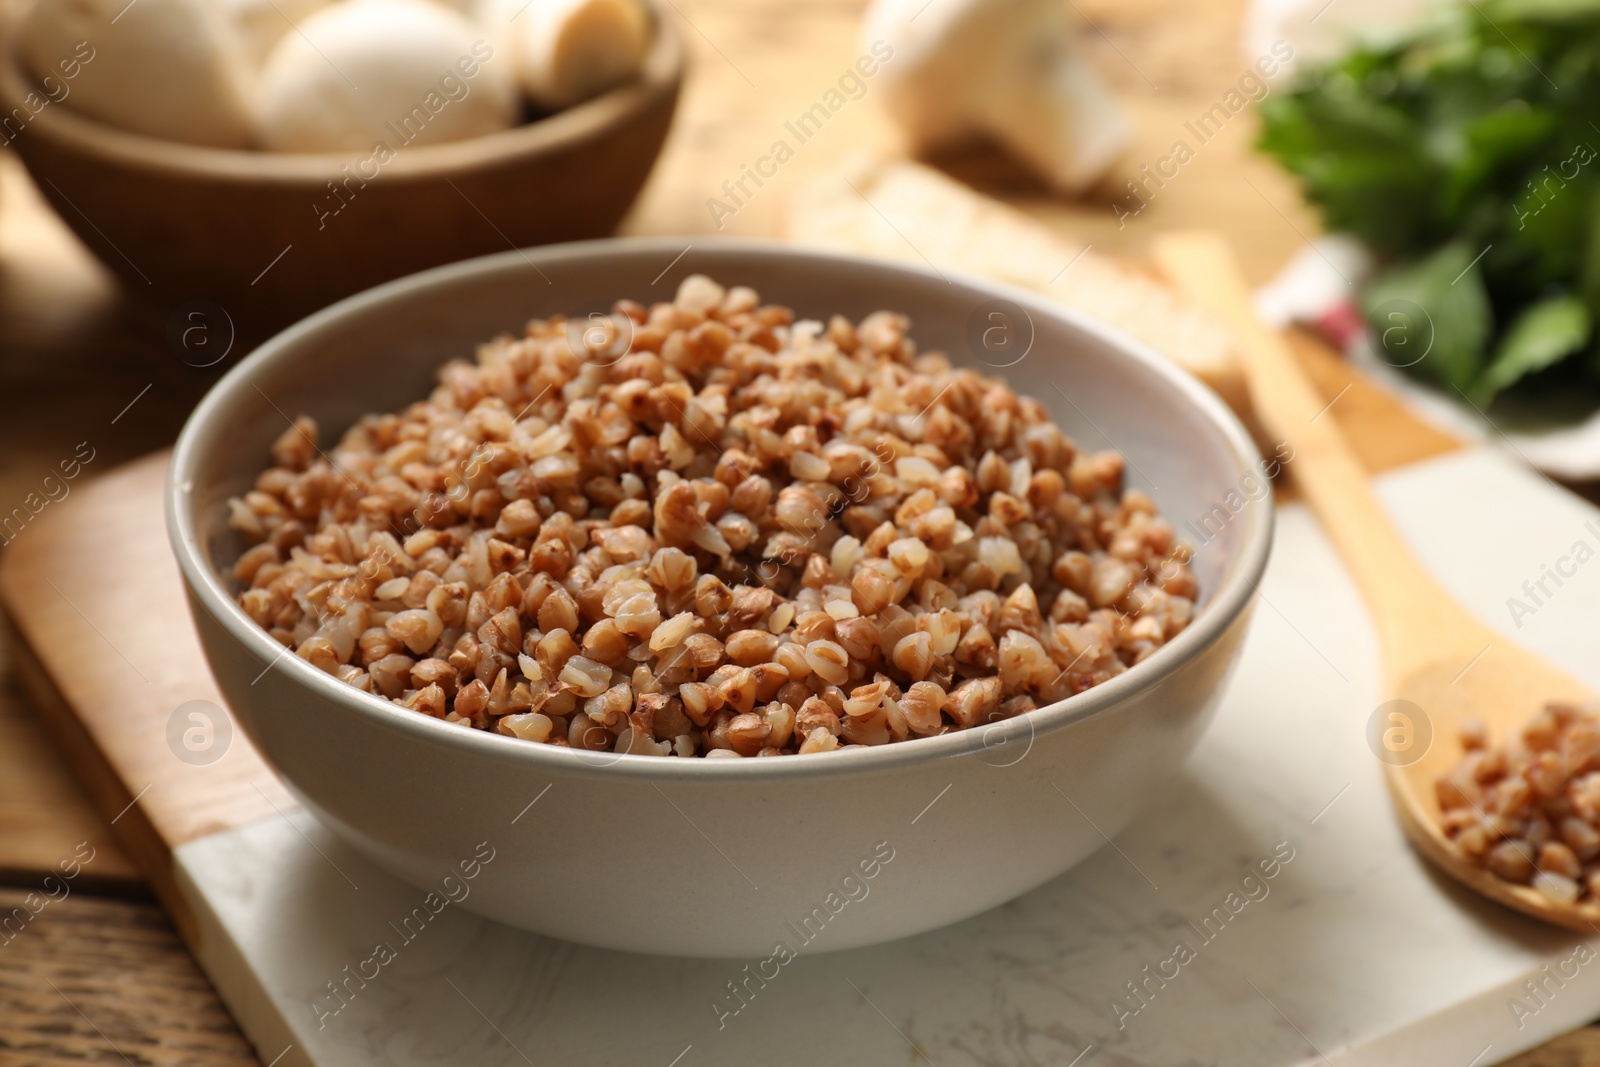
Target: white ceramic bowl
[{"x": 721, "y": 857}]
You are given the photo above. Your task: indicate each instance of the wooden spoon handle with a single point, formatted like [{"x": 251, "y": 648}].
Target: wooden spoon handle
[{"x": 1416, "y": 618}]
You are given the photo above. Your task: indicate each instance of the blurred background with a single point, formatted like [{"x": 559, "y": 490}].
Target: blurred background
[
  {"x": 1413, "y": 188},
  {"x": 77, "y": 348}
]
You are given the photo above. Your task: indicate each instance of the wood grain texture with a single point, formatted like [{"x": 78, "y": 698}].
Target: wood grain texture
[
  {"x": 36, "y": 780},
  {"x": 1581, "y": 1048},
  {"x": 90, "y": 980}
]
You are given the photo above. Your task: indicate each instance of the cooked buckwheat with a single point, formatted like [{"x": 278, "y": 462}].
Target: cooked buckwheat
[
  {"x": 744, "y": 536},
  {"x": 1529, "y": 809}
]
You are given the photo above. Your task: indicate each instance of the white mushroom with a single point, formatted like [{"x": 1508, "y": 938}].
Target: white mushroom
[
  {"x": 261, "y": 24},
  {"x": 168, "y": 68},
  {"x": 567, "y": 51},
  {"x": 395, "y": 72},
  {"x": 1004, "y": 68}
]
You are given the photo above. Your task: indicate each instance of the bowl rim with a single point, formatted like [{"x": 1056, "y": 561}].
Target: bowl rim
[
  {"x": 209, "y": 593},
  {"x": 661, "y": 74}
]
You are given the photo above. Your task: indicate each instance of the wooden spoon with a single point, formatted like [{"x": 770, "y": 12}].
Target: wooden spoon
[{"x": 1436, "y": 655}]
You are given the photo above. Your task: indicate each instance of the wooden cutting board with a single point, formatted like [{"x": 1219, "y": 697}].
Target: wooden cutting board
[{"x": 106, "y": 648}]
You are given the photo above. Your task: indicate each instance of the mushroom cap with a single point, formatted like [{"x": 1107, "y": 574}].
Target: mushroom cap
[
  {"x": 261, "y": 24},
  {"x": 397, "y": 72},
  {"x": 1005, "y": 69},
  {"x": 566, "y": 51},
  {"x": 953, "y": 59},
  {"x": 176, "y": 70}
]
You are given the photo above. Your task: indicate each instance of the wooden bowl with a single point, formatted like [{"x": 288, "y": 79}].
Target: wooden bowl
[{"x": 269, "y": 239}]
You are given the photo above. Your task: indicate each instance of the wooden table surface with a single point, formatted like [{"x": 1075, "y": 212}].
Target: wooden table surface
[{"x": 100, "y": 976}]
